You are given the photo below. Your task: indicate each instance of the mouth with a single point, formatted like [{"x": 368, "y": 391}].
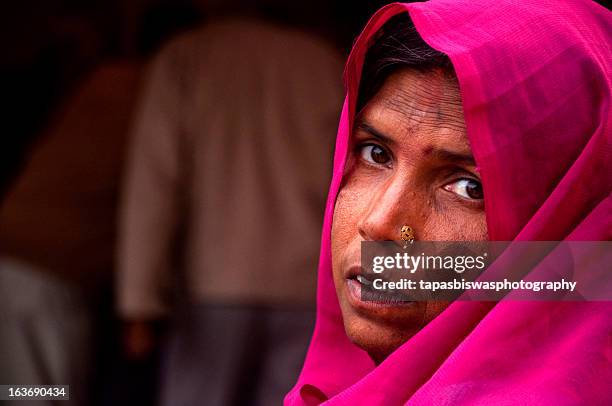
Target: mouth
[{"x": 362, "y": 293}]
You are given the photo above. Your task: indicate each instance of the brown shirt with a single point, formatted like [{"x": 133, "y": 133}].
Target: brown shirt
[{"x": 232, "y": 145}]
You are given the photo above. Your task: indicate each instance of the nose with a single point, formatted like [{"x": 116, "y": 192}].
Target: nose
[{"x": 392, "y": 205}]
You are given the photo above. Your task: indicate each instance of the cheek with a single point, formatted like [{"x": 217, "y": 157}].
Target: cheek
[
  {"x": 457, "y": 224},
  {"x": 343, "y": 226},
  {"x": 351, "y": 202}
]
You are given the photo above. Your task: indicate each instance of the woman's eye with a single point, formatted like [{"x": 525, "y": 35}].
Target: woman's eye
[
  {"x": 375, "y": 154},
  {"x": 467, "y": 188}
]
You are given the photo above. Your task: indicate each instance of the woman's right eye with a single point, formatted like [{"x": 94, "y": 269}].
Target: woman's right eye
[{"x": 374, "y": 154}]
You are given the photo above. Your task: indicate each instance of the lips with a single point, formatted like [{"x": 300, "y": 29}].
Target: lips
[
  {"x": 361, "y": 289},
  {"x": 357, "y": 273},
  {"x": 363, "y": 280},
  {"x": 353, "y": 271}
]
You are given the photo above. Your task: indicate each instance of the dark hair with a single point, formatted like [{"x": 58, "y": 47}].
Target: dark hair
[{"x": 396, "y": 45}]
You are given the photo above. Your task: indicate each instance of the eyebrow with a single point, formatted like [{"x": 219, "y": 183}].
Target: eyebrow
[
  {"x": 362, "y": 125},
  {"x": 450, "y": 156},
  {"x": 437, "y": 153}
]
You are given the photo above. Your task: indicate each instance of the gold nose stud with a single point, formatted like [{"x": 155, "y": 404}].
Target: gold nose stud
[{"x": 407, "y": 235}]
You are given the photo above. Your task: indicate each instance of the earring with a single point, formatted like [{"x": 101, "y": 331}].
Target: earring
[{"x": 407, "y": 235}]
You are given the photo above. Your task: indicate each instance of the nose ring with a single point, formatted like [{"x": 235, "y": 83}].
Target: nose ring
[{"x": 407, "y": 235}]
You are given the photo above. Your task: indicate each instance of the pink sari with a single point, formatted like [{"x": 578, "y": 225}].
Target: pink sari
[{"x": 535, "y": 82}]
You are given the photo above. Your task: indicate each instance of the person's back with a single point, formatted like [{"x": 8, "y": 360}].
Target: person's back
[{"x": 231, "y": 154}]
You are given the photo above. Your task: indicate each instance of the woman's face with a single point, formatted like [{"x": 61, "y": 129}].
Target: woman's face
[{"x": 410, "y": 163}]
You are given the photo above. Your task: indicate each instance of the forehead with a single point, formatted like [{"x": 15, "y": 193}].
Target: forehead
[{"x": 418, "y": 103}]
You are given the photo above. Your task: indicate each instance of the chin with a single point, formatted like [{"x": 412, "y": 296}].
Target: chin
[{"x": 379, "y": 339}]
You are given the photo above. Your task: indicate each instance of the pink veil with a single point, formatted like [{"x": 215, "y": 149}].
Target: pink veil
[{"x": 535, "y": 82}]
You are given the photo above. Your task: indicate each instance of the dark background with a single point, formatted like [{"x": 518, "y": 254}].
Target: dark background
[{"x": 49, "y": 45}]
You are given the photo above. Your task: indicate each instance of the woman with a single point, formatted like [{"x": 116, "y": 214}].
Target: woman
[{"x": 479, "y": 120}]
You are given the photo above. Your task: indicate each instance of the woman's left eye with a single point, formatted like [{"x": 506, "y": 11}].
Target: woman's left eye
[
  {"x": 374, "y": 154},
  {"x": 466, "y": 188}
]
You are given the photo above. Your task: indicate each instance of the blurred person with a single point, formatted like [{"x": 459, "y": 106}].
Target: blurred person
[
  {"x": 222, "y": 209},
  {"x": 57, "y": 231}
]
